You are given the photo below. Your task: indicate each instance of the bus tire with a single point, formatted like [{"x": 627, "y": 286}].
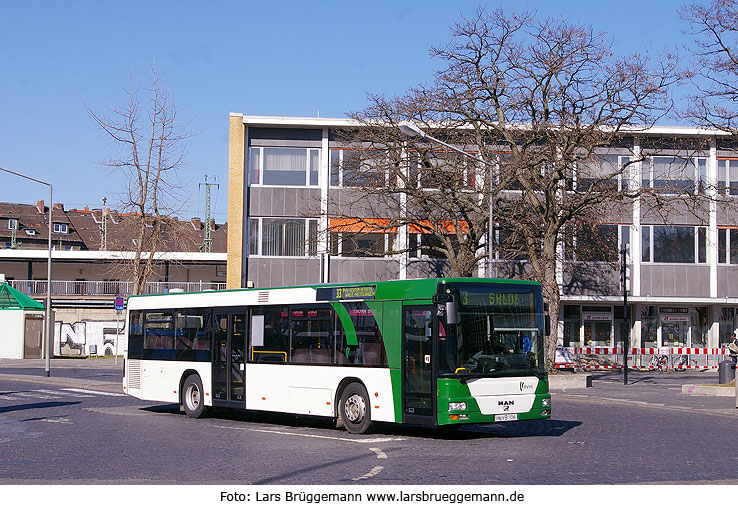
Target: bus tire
[
  {"x": 354, "y": 409},
  {"x": 193, "y": 397}
]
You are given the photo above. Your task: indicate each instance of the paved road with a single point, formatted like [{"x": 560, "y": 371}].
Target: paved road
[{"x": 60, "y": 431}]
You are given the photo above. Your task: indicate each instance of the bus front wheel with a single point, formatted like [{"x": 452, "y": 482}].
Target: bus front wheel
[
  {"x": 193, "y": 397},
  {"x": 354, "y": 409}
]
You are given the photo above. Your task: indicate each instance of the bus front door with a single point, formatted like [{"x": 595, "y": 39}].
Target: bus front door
[{"x": 418, "y": 391}]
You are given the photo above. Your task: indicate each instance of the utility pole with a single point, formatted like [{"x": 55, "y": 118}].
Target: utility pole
[
  {"x": 624, "y": 276},
  {"x": 104, "y": 237},
  {"x": 207, "y": 244}
]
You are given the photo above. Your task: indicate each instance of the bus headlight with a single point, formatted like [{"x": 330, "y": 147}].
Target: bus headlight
[
  {"x": 546, "y": 402},
  {"x": 457, "y": 406}
]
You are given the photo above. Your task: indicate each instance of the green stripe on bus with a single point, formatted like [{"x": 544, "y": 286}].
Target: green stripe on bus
[{"x": 348, "y": 324}]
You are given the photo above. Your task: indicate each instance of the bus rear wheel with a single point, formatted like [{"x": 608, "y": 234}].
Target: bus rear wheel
[
  {"x": 193, "y": 398},
  {"x": 354, "y": 409}
]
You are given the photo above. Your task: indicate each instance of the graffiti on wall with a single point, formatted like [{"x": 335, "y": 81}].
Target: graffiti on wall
[{"x": 79, "y": 338}]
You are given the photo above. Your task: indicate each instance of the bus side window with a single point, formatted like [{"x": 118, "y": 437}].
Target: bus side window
[
  {"x": 135, "y": 335},
  {"x": 363, "y": 345},
  {"x": 271, "y": 343}
]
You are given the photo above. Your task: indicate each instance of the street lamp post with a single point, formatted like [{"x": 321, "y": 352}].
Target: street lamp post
[
  {"x": 47, "y": 316},
  {"x": 412, "y": 130}
]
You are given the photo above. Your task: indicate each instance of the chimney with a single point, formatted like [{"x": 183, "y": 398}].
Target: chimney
[
  {"x": 212, "y": 224},
  {"x": 59, "y": 206},
  {"x": 40, "y": 206}
]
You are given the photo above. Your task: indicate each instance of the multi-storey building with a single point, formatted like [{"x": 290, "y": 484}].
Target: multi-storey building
[
  {"x": 89, "y": 251},
  {"x": 683, "y": 267}
]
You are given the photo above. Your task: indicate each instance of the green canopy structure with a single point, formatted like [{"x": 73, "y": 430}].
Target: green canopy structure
[{"x": 10, "y": 298}]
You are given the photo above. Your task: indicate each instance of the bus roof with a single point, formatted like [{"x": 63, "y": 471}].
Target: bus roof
[{"x": 383, "y": 290}]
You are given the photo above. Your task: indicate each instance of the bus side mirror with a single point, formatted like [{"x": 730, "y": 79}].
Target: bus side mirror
[
  {"x": 547, "y": 325},
  {"x": 452, "y": 313}
]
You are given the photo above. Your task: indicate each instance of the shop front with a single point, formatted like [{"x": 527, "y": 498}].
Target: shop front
[{"x": 673, "y": 327}]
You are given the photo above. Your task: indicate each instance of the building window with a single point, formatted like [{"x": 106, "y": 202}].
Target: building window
[
  {"x": 727, "y": 177},
  {"x": 728, "y": 246},
  {"x": 361, "y": 244},
  {"x": 674, "y": 244},
  {"x": 358, "y": 167},
  {"x": 283, "y": 237},
  {"x": 600, "y": 173},
  {"x": 592, "y": 243},
  {"x": 428, "y": 246},
  {"x": 12, "y": 224},
  {"x": 296, "y": 167},
  {"x": 673, "y": 174},
  {"x": 60, "y": 228}
]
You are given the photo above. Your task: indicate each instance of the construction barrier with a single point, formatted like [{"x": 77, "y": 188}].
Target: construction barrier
[{"x": 611, "y": 358}]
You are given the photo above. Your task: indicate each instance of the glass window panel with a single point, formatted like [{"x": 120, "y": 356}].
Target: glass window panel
[
  {"x": 646, "y": 243},
  {"x": 673, "y": 244},
  {"x": 284, "y": 166},
  {"x": 283, "y": 237},
  {"x": 734, "y": 246},
  {"x": 601, "y": 173},
  {"x": 253, "y": 236},
  {"x": 312, "y": 340},
  {"x": 193, "y": 334},
  {"x": 314, "y": 166},
  {"x": 702, "y": 168},
  {"x": 646, "y": 173},
  {"x": 272, "y": 343},
  {"x": 672, "y": 175},
  {"x": 733, "y": 177},
  {"x": 366, "y": 348},
  {"x": 597, "y": 243},
  {"x": 727, "y": 325},
  {"x": 362, "y": 244},
  {"x": 158, "y": 335},
  {"x": 255, "y": 165},
  {"x": 335, "y": 157},
  {"x": 722, "y": 245},
  {"x": 702, "y": 245},
  {"x": 312, "y": 237},
  {"x": 722, "y": 174}
]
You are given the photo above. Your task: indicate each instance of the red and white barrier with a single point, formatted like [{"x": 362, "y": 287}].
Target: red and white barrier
[{"x": 571, "y": 358}]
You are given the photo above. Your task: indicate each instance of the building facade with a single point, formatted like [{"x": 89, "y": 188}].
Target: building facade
[
  {"x": 285, "y": 173},
  {"x": 90, "y": 249}
]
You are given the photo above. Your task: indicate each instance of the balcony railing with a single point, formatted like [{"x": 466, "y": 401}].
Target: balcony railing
[{"x": 106, "y": 288}]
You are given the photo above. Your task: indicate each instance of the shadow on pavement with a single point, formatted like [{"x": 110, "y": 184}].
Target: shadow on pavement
[
  {"x": 530, "y": 428},
  {"x": 37, "y": 405}
]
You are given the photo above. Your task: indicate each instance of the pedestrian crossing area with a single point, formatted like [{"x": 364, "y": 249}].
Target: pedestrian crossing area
[{"x": 54, "y": 394}]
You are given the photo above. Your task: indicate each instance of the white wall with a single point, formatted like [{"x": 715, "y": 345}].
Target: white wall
[{"x": 12, "y": 327}]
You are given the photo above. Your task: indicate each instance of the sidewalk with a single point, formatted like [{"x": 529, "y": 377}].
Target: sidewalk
[
  {"x": 101, "y": 374},
  {"x": 652, "y": 390}
]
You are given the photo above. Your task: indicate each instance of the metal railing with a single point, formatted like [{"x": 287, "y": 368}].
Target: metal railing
[{"x": 106, "y": 288}]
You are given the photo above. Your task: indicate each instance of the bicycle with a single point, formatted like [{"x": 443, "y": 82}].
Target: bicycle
[
  {"x": 659, "y": 362},
  {"x": 681, "y": 361}
]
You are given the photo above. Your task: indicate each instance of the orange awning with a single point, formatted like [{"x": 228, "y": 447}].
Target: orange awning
[
  {"x": 425, "y": 227},
  {"x": 362, "y": 226}
]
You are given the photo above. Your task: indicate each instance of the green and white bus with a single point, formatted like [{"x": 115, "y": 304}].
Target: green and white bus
[{"x": 429, "y": 351}]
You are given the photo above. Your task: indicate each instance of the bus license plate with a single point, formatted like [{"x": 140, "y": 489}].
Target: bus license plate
[{"x": 506, "y": 417}]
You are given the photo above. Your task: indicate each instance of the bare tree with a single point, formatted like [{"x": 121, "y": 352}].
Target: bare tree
[
  {"x": 714, "y": 70},
  {"x": 151, "y": 150},
  {"x": 543, "y": 102}
]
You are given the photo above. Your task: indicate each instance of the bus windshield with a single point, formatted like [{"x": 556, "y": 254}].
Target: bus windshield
[{"x": 499, "y": 332}]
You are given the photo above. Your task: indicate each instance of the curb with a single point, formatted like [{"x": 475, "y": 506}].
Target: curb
[
  {"x": 561, "y": 382},
  {"x": 701, "y": 389},
  {"x": 64, "y": 381}
]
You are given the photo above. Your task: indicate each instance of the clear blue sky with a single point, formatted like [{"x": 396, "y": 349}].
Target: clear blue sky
[{"x": 264, "y": 58}]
